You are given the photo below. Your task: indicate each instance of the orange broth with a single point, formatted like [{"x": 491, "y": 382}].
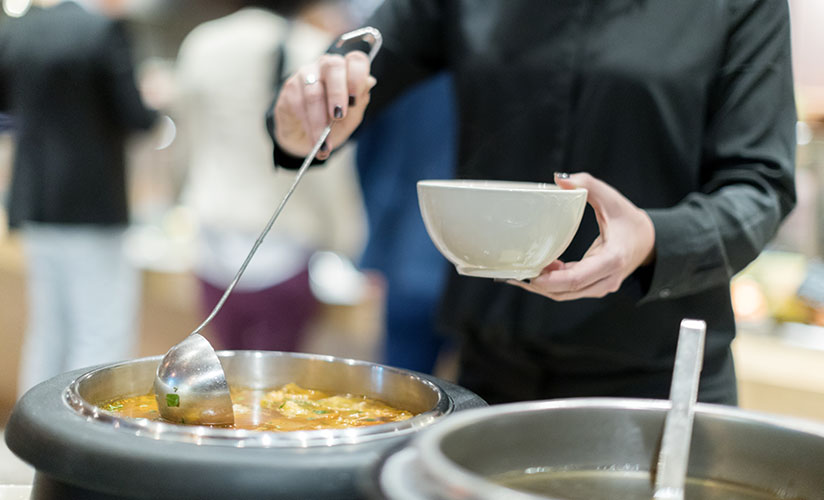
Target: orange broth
[{"x": 289, "y": 408}]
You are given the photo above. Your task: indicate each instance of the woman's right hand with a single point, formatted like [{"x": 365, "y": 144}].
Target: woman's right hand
[{"x": 334, "y": 88}]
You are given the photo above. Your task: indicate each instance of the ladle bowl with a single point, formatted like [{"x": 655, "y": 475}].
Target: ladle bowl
[{"x": 190, "y": 386}]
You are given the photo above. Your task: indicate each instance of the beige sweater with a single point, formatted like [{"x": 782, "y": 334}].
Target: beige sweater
[{"x": 225, "y": 74}]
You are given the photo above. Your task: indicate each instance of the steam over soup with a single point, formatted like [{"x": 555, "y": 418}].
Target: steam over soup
[{"x": 289, "y": 408}]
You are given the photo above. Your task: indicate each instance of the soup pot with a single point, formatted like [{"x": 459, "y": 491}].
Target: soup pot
[
  {"x": 80, "y": 451},
  {"x": 780, "y": 457}
]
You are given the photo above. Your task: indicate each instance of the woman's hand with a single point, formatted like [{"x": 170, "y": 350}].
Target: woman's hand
[
  {"x": 627, "y": 241},
  {"x": 335, "y": 88}
]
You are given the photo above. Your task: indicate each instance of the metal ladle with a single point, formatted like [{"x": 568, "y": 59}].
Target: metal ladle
[
  {"x": 673, "y": 458},
  {"x": 190, "y": 385}
]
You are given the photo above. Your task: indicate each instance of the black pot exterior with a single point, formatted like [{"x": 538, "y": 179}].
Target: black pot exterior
[{"x": 78, "y": 457}]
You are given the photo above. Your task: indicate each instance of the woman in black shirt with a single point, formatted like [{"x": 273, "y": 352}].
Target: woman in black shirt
[{"x": 681, "y": 113}]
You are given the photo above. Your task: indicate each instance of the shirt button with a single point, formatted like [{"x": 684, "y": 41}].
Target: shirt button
[{"x": 664, "y": 293}]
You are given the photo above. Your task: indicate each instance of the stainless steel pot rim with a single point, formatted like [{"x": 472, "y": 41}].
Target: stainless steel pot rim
[
  {"x": 240, "y": 438},
  {"x": 434, "y": 465},
  {"x": 404, "y": 475}
]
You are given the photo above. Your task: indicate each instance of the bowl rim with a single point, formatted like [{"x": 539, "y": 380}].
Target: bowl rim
[
  {"x": 243, "y": 438},
  {"x": 499, "y": 185}
]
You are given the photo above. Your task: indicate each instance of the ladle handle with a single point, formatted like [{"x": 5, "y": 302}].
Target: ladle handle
[
  {"x": 671, "y": 472},
  {"x": 369, "y": 35}
]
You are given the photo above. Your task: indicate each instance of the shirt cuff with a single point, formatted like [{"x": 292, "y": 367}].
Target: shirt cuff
[
  {"x": 288, "y": 161},
  {"x": 688, "y": 258}
]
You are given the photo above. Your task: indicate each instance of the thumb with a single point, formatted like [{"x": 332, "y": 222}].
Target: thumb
[
  {"x": 599, "y": 194},
  {"x": 565, "y": 180}
]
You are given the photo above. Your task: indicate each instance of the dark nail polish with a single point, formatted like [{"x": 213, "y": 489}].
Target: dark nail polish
[
  {"x": 338, "y": 112},
  {"x": 351, "y": 100},
  {"x": 324, "y": 147},
  {"x": 562, "y": 175}
]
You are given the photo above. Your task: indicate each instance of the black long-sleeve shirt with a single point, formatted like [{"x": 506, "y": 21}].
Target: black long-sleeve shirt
[
  {"x": 66, "y": 78},
  {"x": 685, "y": 106}
]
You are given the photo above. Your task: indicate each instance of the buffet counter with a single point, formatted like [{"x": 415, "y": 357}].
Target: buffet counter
[{"x": 779, "y": 369}]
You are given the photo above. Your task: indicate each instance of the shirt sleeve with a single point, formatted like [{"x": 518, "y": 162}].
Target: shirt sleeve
[
  {"x": 414, "y": 47},
  {"x": 747, "y": 173},
  {"x": 407, "y": 56},
  {"x": 120, "y": 81}
]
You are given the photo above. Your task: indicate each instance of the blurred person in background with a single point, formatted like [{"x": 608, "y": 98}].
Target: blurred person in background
[
  {"x": 678, "y": 118},
  {"x": 67, "y": 79},
  {"x": 226, "y": 73},
  {"x": 412, "y": 139}
]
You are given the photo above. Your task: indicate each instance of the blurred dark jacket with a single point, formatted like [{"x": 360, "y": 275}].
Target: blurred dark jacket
[
  {"x": 5, "y": 123},
  {"x": 66, "y": 77}
]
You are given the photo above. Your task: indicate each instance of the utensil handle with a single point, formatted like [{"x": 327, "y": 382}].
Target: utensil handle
[
  {"x": 369, "y": 35},
  {"x": 675, "y": 445}
]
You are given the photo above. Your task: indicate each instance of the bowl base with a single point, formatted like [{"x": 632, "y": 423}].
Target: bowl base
[{"x": 502, "y": 274}]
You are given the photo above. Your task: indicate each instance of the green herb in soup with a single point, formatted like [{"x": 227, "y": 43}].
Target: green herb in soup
[{"x": 289, "y": 408}]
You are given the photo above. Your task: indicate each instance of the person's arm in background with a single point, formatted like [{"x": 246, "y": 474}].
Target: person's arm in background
[
  {"x": 119, "y": 82},
  {"x": 413, "y": 48},
  {"x": 747, "y": 180},
  {"x": 4, "y": 97}
]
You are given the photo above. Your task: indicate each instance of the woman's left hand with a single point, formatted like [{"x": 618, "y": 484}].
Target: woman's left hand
[{"x": 626, "y": 242}]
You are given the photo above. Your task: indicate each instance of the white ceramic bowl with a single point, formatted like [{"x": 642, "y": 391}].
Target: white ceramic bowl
[{"x": 500, "y": 229}]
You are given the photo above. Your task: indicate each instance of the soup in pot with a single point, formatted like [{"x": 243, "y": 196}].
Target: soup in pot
[{"x": 288, "y": 408}]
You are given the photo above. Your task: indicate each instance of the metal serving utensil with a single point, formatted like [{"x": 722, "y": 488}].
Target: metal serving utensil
[
  {"x": 190, "y": 385},
  {"x": 673, "y": 458}
]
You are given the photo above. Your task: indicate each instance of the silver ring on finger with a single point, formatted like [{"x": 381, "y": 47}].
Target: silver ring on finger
[{"x": 310, "y": 79}]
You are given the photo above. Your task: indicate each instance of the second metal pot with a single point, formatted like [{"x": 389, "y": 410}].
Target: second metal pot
[{"x": 456, "y": 460}]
